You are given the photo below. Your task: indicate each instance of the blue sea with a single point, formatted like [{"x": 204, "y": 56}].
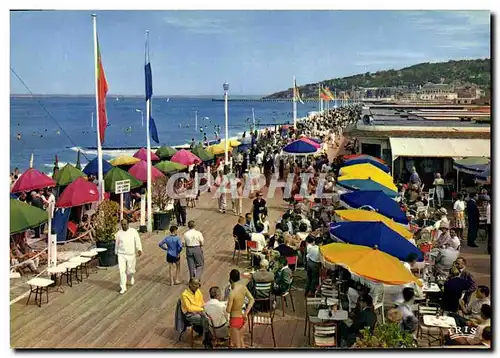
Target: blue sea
[{"x": 34, "y": 118}]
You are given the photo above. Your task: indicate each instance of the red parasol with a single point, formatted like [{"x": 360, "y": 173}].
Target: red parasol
[
  {"x": 80, "y": 192},
  {"x": 142, "y": 154},
  {"x": 32, "y": 179},
  {"x": 140, "y": 171},
  {"x": 185, "y": 157}
]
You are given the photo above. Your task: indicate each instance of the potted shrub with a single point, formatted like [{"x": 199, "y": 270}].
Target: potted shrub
[
  {"x": 388, "y": 335},
  {"x": 161, "y": 200},
  {"x": 106, "y": 226}
]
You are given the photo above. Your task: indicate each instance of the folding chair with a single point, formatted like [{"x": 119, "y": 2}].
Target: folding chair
[
  {"x": 252, "y": 250},
  {"x": 313, "y": 304}
]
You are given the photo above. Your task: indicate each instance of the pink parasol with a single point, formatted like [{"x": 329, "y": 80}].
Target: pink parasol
[
  {"x": 310, "y": 141},
  {"x": 140, "y": 171},
  {"x": 185, "y": 157},
  {"x": 32, "y": 179},
  {"x": 80, "y": 192},
  {"x": 142, "y": 154}
]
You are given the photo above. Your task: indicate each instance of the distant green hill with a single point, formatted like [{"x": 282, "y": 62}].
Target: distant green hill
[{"x": 457, "y": 73}]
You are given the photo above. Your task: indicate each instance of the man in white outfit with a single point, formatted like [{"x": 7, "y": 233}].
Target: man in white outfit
[{"x": 127, "y": 242}]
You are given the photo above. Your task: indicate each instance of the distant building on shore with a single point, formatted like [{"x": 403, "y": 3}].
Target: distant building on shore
[{"x": 426, "y": 138}]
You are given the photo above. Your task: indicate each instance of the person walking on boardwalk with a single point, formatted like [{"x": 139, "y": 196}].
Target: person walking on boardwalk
[
  {"x": 127, "y": 243},
  {"x": 193, "y": 241},
  {"x": 173, "y": 246}
]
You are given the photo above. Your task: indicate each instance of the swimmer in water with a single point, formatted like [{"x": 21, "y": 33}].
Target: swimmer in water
[
  {"x": 18, "y": 136},
  {"x": 58, "y": 132}
]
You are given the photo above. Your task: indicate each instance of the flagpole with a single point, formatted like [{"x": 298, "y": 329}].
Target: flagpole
[
  {"x": 294, "y": 104},
  {"x": 149, "y": 198},
  {"x": 319, "y": 98},
  {"x": 100, "y": 180}
]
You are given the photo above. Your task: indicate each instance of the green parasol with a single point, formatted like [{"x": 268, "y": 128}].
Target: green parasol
[
  {"x": 117, "y": 174},
  {"x": 24, "y": 216},
  {"x": 165, "y": 152},
  {"x": 202, "y": 153},
  {"x": 169, "y": 167},
  {"x": 67, "y": 175}
]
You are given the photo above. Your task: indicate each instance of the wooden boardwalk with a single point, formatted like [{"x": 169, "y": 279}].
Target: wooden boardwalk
[{"x": 93, "y": 314}]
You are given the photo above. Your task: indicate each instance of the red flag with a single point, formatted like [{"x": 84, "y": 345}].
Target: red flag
[{"x": 102, "y": 90}]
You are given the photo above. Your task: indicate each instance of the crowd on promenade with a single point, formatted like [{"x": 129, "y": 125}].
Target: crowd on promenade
[{"x": 279, "y": 251}]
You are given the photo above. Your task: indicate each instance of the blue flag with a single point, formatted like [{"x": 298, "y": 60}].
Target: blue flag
[
  {"x": 149, "y": 93},
  {"x": 152, "y": 130},
  {"x": 149, "y": 81}
]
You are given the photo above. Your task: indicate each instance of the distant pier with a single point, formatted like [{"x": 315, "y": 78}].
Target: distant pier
[{"x": 261, "y": 100}]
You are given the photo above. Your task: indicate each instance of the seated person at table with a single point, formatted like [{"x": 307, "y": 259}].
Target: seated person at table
[
  {"x": 453, "y": 289},
  {"x": 443, "y": 236},
  {"x": 454, "y": 241},
  {"x": 133, "y": 214},
  {"x": 24, "y": 261},
  {"x": 192, "y": 304},
  {"x": 282, "y": 278},
  {"x": 262, "y": 275},
  {"x": 249, "y": 225},
  {"x": 258, "y": 237},
  {"x": 216, "y": 311},
  {"x": 486, "y": 337},
  {"x": 411, "y": 263},
  {"x": 284, "y": 249},
  {"x": 476, "y": 330},
  {"x": 444, "y": 260},
  {"x": 472, "y": 311},
  {"x": 302, "y": 233},
  {"x": 365, "y": 318},
  {"x": 240, "y": 234},
  {"x": 409, "y": 322},
  {"x": 84, "y": 227}
]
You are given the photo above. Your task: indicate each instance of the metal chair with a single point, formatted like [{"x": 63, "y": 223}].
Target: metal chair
[
  {"x": 325, "y": 335},
  {"x": 263, "y": 319},
  {"x": 313, "y": 304}
]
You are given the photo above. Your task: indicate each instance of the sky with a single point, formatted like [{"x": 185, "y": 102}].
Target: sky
[{"x": 256, "y": 52}]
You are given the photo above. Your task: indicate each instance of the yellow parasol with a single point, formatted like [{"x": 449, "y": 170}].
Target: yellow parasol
[
  {"x": 124, "y": 160},
  {"x": 368, "y": 262},
  {"x": 362, "y": 170},
  {"x": 365, "y": 215},
  {"x": 217, "y": 149},
  {"x": 232, "y": 143}
]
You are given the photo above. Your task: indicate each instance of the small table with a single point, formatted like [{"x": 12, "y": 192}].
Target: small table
[
  {"x": 93, "y": 256},
  {"x": 38, "y": 285},
  {"x": 440, "y": 321},
  {"x": 55, "y": 271},
  {"x": 339, "y": 315},
  {"x": 71, "y": 266},
  {"x": 99, "y": 250},
  {"x": 83, "y": 261},
  {"x": 433, "y": 288}
]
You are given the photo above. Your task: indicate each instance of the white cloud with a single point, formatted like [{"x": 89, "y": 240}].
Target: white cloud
[
  {"x": 451, "y": 23},
  {"x": 199, "y": 25}
]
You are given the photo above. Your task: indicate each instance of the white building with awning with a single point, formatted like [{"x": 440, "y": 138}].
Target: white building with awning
[{"x": 430, "y": 146}]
